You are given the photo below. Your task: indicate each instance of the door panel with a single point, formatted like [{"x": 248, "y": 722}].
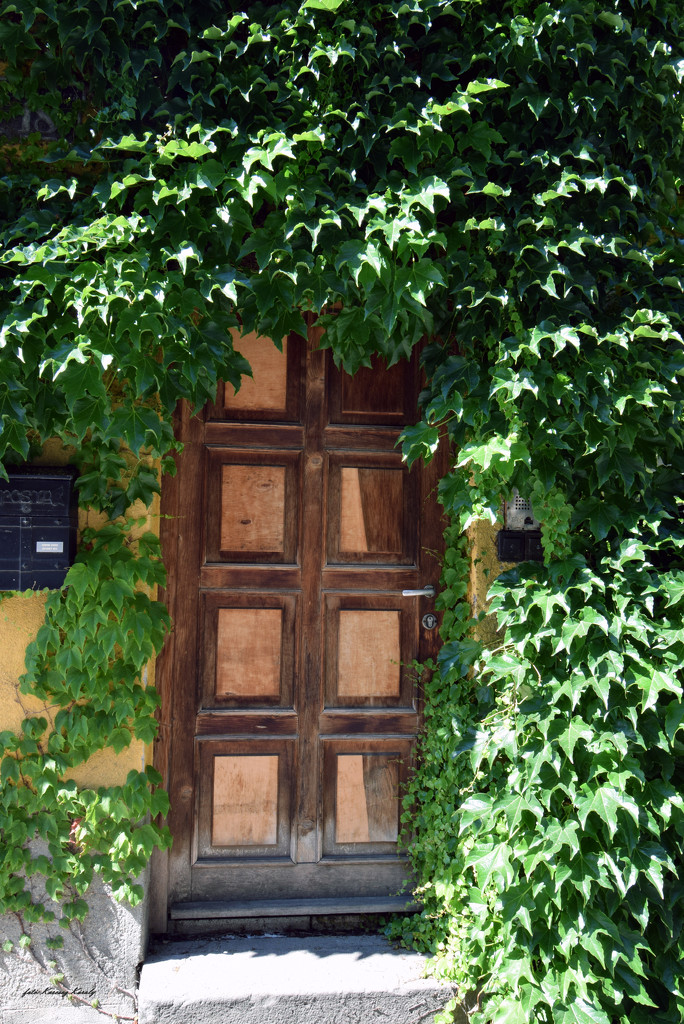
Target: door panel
[
  {"x": 249, "y": 645},
  {"x": 370, "y": 641},
  {"x": 244, "y": 799},
  {"x": 252, "y": 506},
  {"x": 248, "y": 649},
  {"x": 288, "y": 680},
  {"x": 273, "y": 391},
  {"x": 371, "y": 509},
  {"x": 368, "y": 655},
  {"x": 362, "y": 800},
  {"x": 266, "y": 390},
  {"x": 358, "y": 399},
  {"x": 366, "y": 796}
]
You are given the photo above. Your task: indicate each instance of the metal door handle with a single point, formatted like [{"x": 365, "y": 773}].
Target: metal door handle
[{"x": 428, "y": 591}]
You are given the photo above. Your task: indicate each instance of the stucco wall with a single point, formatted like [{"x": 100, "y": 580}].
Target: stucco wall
[
  {"x": 114, "y": 934},
  {"x": 485, "y": 566},
  {"x": 22, "y": 615},
  {"x": 99, "y": 960}
]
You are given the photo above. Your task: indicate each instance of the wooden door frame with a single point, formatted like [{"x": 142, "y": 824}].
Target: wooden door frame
[
  {"x": 174, "y": 553},
  {"x": 181, "y": 552}
]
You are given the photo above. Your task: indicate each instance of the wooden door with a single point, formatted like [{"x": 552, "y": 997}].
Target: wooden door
[{"x": 290, "y": 701}]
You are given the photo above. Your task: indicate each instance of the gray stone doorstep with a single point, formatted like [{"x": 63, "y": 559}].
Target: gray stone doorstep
[
  {"x": 338, "y": 979},
  {"x": 61, "y": 1013}
]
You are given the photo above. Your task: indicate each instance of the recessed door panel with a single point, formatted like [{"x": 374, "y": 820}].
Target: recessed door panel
[
  {"x": 273, "y": 392},
  {"x": 252, "y": 509},
  {"x": 252, "y": 506},
  {"x": 375, "y": 394},
  {"x": 362, "y": 799},
  {"x": 371, "y": 510},
  {"x": 244, "y": 800},
  {"x": 368, "y": 654},
  {"x": 371, "y": 502},
  {"x": 369, "y": 640},
  {"x": 248, "y": 649},
  {"x": 266, "y": 389},
  {"x": 366, "y": 799},
  {"x": 249, "y": 653}
]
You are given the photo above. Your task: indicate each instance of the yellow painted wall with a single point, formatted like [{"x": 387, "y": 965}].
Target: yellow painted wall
[
  {"x": 21, "y": 616},
  {"x": 484, "y": 568}
]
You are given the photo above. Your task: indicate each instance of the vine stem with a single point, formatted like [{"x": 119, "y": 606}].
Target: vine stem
[{"x": 64, "y": 989}]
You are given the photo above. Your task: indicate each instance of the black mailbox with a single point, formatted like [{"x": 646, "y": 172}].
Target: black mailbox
[
  {"x": 520, "y": 546},
  {"x": 38, "y": 522}
]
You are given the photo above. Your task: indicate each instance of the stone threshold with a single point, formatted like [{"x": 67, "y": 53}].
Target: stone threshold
[{"x": 283, "y": 979}]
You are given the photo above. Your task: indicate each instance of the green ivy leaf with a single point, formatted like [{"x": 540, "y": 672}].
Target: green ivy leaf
[
  {"x": 321, "y": 5},
  {"x": 581, "y": 1012}
]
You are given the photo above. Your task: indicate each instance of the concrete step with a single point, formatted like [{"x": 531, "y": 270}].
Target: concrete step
[
  {"x": 61, "y": 1013},
  {"x": 275, "y": 979}
]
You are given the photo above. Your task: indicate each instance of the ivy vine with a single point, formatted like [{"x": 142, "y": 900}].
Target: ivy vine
[
  {"x": 86, "y": 666},
  {"x": 501, "y": 179}
]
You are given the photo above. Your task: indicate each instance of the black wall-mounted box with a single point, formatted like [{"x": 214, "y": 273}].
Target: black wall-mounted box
[
  {"x": 38, "y": 524},
  {"x": 520, "y": 546}
]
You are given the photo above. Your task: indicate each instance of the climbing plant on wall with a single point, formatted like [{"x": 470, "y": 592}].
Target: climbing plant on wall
[{"x": 501, "y": 179}]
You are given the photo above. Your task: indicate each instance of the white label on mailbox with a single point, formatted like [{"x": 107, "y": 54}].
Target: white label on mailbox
[{"x": 49, "y": 547}]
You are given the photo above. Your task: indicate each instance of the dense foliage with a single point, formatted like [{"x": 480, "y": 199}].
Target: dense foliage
[{"x": 498, "y": 177}]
